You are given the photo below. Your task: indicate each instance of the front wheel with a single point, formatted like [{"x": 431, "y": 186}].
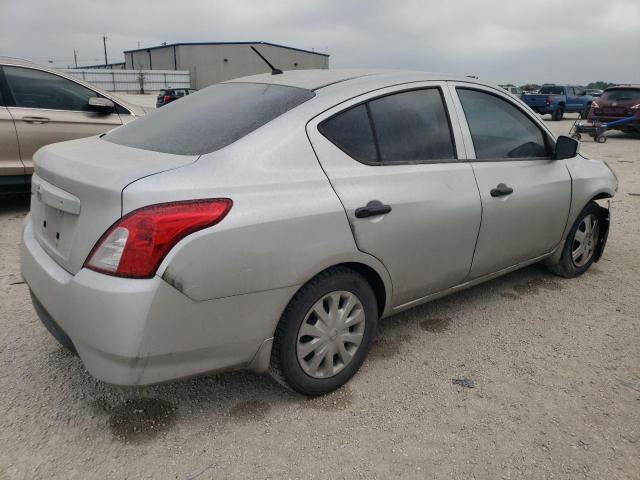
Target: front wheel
[
  {"x": 325, "y": 332},
  {"x": 580, "y": 248}
]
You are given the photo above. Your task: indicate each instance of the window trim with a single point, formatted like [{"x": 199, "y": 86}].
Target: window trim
[
  {"x": 549, "y": 144},
  {"x": 456, "y": 157},
  {"x": 11, "y": 103}
]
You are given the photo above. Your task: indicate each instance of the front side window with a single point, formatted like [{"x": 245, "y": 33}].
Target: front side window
[
  {"x": 499, "y": 129},
  {"x": 37, "y": 89},
  {"x": 410, "y": 126}
]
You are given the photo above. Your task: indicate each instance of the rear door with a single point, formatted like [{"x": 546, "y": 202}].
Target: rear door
[
  {"x": 10, "y": 163},
  {"x": 47, "y": 108},
  {"x": 525, "y": 194},
  {"x": 408, "y": 192}
]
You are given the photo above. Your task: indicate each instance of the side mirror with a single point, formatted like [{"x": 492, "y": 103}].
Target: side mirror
[
  {"x": 566, "y": 147},
  {"x": 102, "y": 105}
]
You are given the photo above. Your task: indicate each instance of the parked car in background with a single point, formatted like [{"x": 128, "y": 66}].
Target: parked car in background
[
  {"x": 557, "y": 100},
  {"x": 168, "y": 95},
  {"x": 40, "y": 105},
  {"x": 594, "y": 92},
  {"x": 616, "y": 103},
  {"x": 268, "y": 222},
  {"x": 512, "y": 89}
]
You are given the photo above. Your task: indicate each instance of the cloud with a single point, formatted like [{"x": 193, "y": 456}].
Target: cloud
[{"x": 502, "y": 40}]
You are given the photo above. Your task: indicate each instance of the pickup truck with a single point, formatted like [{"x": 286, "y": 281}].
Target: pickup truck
[{"x": 558, "y": 100}]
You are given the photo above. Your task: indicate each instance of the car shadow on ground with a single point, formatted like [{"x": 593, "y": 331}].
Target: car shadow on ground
[
  {"x": 136, "y": 414},
  {"x": 16, "y": 204}
]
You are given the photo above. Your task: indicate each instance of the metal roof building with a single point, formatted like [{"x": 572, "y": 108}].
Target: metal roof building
[{"x": 213, "y": 62}]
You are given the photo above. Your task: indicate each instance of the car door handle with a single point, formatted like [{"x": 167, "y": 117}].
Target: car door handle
[
  {"x": 373, "y": 208},
  {"x": 35, "y": 119},
  {"x": 501, "y": 190}
]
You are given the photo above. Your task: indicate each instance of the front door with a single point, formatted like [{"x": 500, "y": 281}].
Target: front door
[
  {"x": 526, "y": 195},
  {"x": 48, "y": 108},
  {"x": 391, "y": 158}
]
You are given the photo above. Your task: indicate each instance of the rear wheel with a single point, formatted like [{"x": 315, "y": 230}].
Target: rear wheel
[
  {"x": 325, "y": 332},
  {"x": 558, "y": 113},
  {"x": 580, "y": 247}
]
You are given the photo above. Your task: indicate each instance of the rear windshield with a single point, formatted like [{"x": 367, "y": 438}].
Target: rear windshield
[
  {"x": 552, "y": 90},
  {"x": 209, "y": 119},
  {"x": 621, "y": 94}
]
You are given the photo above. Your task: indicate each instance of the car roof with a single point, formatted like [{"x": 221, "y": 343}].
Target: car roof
[
  {"x": 318, "y": 79},
  {"x": 14, "y": 61},
  {"x": 631, "y": 85}
]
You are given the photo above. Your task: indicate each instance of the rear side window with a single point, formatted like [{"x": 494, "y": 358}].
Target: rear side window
[
  {"x": 210, "y": 119},
  {"x": 552, "y": 90},
  {"x": 351, "y": 131},
  {"x": 500, "y": 130},
  {"x": 410, "y": 126}
]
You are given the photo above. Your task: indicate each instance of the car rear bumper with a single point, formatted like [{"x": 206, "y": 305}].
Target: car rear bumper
[{"x": 139, "y": 332}]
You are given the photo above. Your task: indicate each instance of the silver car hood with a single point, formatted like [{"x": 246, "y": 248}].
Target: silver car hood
[{"x": 77, "y": 192}]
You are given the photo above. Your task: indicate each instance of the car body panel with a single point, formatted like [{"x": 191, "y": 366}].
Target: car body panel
[
  {"x": 132, "y": 339},
  {"x": 425, "y": 198},
  {"x": 10, "y": 162},
  {"x": 36, "y": 127},
  {"x": 217, "y": 297},
  {"x": 281, "y": 198},
  {"x": 528, "y": 223},
  {"x": 94, "y": 172}
]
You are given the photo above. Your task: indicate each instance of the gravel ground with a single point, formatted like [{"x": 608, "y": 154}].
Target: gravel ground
[{"x": 555, "y": 365}]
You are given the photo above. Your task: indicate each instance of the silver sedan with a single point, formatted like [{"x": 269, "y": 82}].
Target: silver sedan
[{"x": 269, "y": 222}]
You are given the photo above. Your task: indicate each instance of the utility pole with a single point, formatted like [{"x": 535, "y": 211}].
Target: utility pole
[
  {"x": 104, "y": 43},
  {"x": 75, "y": 57}
]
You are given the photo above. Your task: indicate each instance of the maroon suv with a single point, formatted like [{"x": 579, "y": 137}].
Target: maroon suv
[{"x": 616, "y": 103}]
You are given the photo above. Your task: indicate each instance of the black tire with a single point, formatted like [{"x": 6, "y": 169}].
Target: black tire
[
  {"x": 285, "y": 366},
  {"x": 558, "y": 113},
  {"x": 566, "y": 267},
  {"x": 576, "y": 136},
  {"x": 585, "y": 113}
]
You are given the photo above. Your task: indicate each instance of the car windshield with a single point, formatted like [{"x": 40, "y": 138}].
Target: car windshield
[
  {"x": 551, "y": 90},
  {"x": 619, "y": 94},
  {"x": 209, "y": 119}
]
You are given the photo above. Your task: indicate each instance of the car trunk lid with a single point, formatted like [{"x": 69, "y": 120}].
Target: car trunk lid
[{"x": 77, "y": 192}]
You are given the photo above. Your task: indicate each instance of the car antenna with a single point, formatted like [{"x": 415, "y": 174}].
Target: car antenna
[{"x": 274, "y": 70}]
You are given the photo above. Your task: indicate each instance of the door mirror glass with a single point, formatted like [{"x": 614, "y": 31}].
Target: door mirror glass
[
  {"x": 566, "y": 147},
  {"x": 99, "y": 104}
]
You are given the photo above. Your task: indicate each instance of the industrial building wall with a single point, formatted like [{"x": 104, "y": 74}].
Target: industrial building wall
[
  {"x": 207, "y": 62},
  {"x": 152, "y": 59}
]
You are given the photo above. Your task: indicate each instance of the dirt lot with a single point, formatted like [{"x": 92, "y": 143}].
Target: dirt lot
[{"x": 556, "y": 366}]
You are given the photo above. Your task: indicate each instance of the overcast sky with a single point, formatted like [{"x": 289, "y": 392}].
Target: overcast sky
[{"x": 503, "y": 41}]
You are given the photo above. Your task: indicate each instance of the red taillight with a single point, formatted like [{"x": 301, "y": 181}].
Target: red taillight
[
  {"x": 166, "y": 99},
  {"x": 136, "y": 244}
]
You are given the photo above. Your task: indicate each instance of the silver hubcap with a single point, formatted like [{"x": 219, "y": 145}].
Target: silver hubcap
[
  {"x": 585, "y": 241},
  {"x": 330, "y": 334}
]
